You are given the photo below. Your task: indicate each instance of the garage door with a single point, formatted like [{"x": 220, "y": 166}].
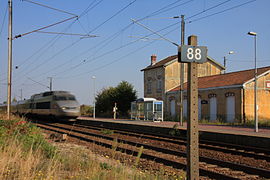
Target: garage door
[
  {"x": 213, "y": 108},
  {"x": 172, "y": 107},
  {"x": 230, "y": 103}
]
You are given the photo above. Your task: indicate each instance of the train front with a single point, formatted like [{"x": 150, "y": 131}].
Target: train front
[{"x": 66, "y": 105}]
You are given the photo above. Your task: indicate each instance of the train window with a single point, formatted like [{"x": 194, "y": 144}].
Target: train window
[
  {"x": 43, "y": 105},
  {"x": 60, "y": 98},
  {"x": 31, "y": 105},
  {"x": 71, "y": 98},
  {"x": 64, "y": 98},
  {"x": 47, "y": 94}
]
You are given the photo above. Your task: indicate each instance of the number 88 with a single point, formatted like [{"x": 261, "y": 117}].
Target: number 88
[{"x": 191, "y": 54}]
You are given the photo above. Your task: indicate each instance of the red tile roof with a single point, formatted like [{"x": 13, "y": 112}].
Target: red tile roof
[{"x": 228, "y": 79}]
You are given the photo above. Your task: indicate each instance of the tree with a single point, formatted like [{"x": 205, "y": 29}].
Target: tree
[
  {"x": 86, "y": 110},
  {"x": 104, "y": 101},
  {"x": 123, "y": 94}
]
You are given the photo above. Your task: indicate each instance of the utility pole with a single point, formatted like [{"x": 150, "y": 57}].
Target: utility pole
[
  {"x": 9, "y": 57},
  {"x": 50, "y": 83},
  {"x": 182, "y": 73},
  {"x": 192, "y": 122}
]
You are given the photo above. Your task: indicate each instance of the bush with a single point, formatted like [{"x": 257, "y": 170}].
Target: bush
[
  {"x": 123, "y": 94},
  {"x": 25, "y": 133},
  {"x": 86, "y": 110}
]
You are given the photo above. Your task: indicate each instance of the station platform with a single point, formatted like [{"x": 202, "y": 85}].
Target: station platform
[{"x": 222, "y": 133}]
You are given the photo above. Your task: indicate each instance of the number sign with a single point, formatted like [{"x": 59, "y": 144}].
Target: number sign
[{"x": 196, "y": 54}]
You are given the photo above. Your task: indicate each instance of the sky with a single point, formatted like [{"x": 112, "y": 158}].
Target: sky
[{"x": 103, "y": 42}]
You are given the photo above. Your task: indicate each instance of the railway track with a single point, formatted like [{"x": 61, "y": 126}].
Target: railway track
[
  {"x": 154, "y": 150},
  {"x": 252, "y": 152}
]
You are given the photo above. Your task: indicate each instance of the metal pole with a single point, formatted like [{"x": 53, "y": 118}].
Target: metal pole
[
  {"x": 255, "y": 81},
  {"x": 182, "y": 73},
  {"x": 9, "y": 58},
  {"x": 255, "y": 86},
  {"x": 50, "y": 83},
  {"x": 192, "y": 121},
  {"x": 94, "y": 101},
  {"x": 225, "y": 64}
]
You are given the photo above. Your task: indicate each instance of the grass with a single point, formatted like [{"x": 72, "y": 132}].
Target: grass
[
  {"x": 26, "y": 154},
  {"x": 248, "y": 123},
  {"x": 107, "y": 131}
]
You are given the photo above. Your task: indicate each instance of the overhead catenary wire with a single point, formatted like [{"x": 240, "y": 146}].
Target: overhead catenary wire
[
  {"x": 48, "y": 45},
  {"x": 120, "y": 58},
  {"x": 118, "y": 12},
  {"x": 59, "y": 10},
  {"x": 68, "y": 34},
  {"x": 4, "y": 19},
  {"x": 223, "y": 10},
  {"x": 45, "y": 27},
  {"x": 57, "y": 37},
  {"x": 70, "y": 45},
  {"x": 53, "y": 41},
  {"x": 90, "y": 7},
  {"x": 166, "y": 39},
  {"x": 115, "y": 35},
  {"x": 85, "y": 12},
  {"x": 168, "y": 8},
  {"x": 67, "y": 47},
  {"x": 115, "y": 49},
  {"x": 38, "y": 82},
  {"x": 247, "y": 60},
  {"x": 155, "y": 13},
  {"x": 208, "y": 9},
  {"x": 228, "y": 9}
]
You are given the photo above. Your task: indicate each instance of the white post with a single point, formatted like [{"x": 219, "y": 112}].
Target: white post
[
  {"x": 94, "y": 100},
  {"x": 9, "y": 58}
]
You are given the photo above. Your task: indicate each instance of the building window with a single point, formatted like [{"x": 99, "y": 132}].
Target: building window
[
  {"x": 229, "y": 94},
  {"x": 212, "y": 95},
  {"x": 159, "y": 85},
  {"x": 149, "y": 87}
]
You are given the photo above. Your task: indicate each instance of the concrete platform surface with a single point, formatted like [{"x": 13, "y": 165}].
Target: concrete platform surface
[{"x": 237, "y": 130}]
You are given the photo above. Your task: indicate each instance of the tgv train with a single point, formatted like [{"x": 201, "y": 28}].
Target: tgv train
[{"x": 55, "y": 104}]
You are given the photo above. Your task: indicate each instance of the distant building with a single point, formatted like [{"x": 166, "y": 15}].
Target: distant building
[
  {"x": 163, "y": 76},
  {"x": 227, "y": 97}
]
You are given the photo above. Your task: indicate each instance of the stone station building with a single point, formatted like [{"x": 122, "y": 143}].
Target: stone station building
[{"x": 227, "y": 97}]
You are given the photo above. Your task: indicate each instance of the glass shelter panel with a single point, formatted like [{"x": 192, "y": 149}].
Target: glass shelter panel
[
  {"x": 158, "y": 111},
  {"x": 147, "y": 109}
]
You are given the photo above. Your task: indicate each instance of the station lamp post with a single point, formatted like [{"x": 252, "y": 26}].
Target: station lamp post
[
  {"x": 225, "y": 60},
  {"x": 254, "y": 34},
  {"x": 94, "y": 101}
]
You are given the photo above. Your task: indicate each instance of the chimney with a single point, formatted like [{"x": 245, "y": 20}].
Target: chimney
[{"x": 153, "y": 59}]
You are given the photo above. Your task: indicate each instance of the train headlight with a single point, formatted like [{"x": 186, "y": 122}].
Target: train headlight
[{"x": 64, "y": 108}]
